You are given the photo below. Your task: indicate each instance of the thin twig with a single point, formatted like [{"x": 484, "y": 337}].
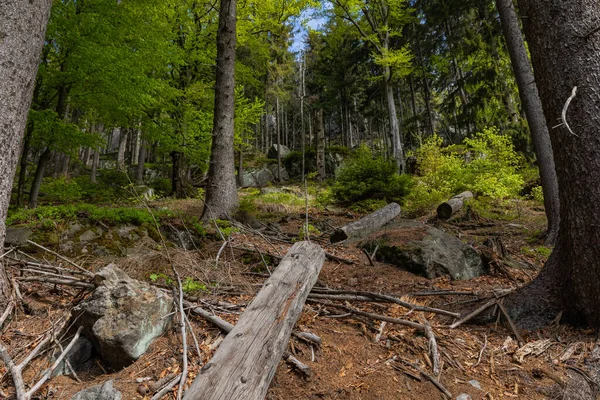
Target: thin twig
[
  {"x": 160, "y": 394},
  {"x": 88, "y": 273},
  {"x": 432, "y": 379},
  {"x": 473, "y": 314},
  {"x": 511, "y": 323},
  {"x": 378, "y": 317},
  {"x": 433, "y": 347}
]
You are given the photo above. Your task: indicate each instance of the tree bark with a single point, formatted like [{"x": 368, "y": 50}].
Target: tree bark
[
  {"x": 320, "y": 137},
  {"x": 39, "y": 176},
  {"x": 221, "y": 190},
  {"x": 95, "y": 162},
  {"x": 22, "y": 34},
  {"x": 534, "y": 112},
  {"x": 246, "y": 361},
  {"x": 122, "y": 147},
  {"x": 367, "y": 224},
  {"x": 177, "y": 175},
  {"x": 23, "y": 164},
  {"x": 139, "y": 171},
  {"x": 450, "y": 207},
  {"x": 563, "y": 39}
]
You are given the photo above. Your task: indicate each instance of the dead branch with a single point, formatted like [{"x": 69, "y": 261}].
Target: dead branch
[
  {"x": 510, "y": 323},
  {"x": 378, "y": 317},
  {"x": 473, "y": 314},
  {"x": 67, "y": 282},
  {"x": 16, "y": 371},
  {"x": 391, "y": 299},
  {"x": 85, "y": 271},
  {"x": 433, "y": 347},
  {"x": 432, "y": 379}
]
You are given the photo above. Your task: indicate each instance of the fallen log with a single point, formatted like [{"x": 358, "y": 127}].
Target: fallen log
[
  {"x": 449, "y": 208},
  {"x": 367, "y": 224},
  {"x": 245, "y": 363}
]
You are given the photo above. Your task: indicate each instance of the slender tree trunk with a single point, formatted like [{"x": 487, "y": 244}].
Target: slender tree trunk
[
  {"x": 534, "y": 112},
  {"x": 39, "y": 176},
  {"x": 221, "y": 190},
  {"x": 563, "y": 40},
  {"x": 122, "y": 132},
  {"x": 22, "y": 34},
  {"x": 23, "y": 164},
  {"x": 277, "y": 125},
  {"x": 320, "y": 138},
  {"x": 139, "y": 171},
  {"x": 397, "y": 152},
  {"x": 426, "y": 91},
  {"x": 95, "y": 162},
  {"x": 177, "y": 175}
]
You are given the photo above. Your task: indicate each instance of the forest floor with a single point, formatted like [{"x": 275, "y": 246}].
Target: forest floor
[{"x": 359, "y": 358}]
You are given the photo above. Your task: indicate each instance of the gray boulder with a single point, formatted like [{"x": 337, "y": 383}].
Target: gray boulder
[
  {"x": 284, "y": 174},
  {"x": 17, "y": 236},
  {"x": 273, "y": 151},
  {"x": 426, "y": 251},
  {"x": 105, "y": 391},
  {"x": 257, "y": 178},
  {"x": 123, "y": 316}
]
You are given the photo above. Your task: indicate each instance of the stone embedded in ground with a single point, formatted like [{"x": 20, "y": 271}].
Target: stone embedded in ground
[
  {"x": 463, "y": 396},
  {"x": 17, "y": 236},
  {"x": 425, "y": 250},
  {"x": 123, "y": 316},
  {"x": 79, "y": 357},
  {"x": 284, "y": 150},
  {"x": 105, "y": 391}
]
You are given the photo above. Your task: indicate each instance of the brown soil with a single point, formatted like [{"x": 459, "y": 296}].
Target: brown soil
[{"x": 351, "y": 363}]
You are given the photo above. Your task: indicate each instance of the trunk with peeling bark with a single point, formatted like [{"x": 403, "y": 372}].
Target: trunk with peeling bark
[
  {"x": 532, "y": 106},
  {"x": 366, "y": 225},
  {"x": 221, "y": 189},
  {"x": 22, "y": 34},
  {"x": 246, "y": 361},
  {"x": 565, "y": 47}
]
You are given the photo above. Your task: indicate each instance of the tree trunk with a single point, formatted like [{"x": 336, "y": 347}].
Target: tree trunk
[
  {"x": 277, "y": 127},
  {"x": 246, "y": 361},
  {"x": 39, "y": 176},
  {"x": 122, "y": 132},
  {"x": 397, "y": 152},
  {"x": 22, "y": 34},
  {"x": 320, "y": 135},
  {"x": 366, "y": 225},
  {"x": 221, "y": 190},
  {"x": 177, "y": 180},
  {"x": 563, "y": 40},
  {"x": 139, "y": 171},
  {"x": 95, "y": 162},
  {"x": 532, "y": 106},
  {"x": 23, "y": 164}
]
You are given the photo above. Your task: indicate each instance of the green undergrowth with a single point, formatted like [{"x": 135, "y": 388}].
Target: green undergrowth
[{"x": 88, "y": 212}]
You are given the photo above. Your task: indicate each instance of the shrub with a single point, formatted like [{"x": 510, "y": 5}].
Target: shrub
[
  {"x": 162, "y": 186},
  {"x": 363, "y": 176},
  {"x": 89, "y": 212},
  {"x": 443, "y": 172},
  {"x": 62, "y": 190}
]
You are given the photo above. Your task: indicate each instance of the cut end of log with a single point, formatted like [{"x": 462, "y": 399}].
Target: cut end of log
[
  {"x": 338, "y": 236},
  {"x": 444, "y": 211}
]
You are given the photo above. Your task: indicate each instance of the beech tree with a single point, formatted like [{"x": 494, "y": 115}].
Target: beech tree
[
  {"x": 221, "y": 190},
  {"x": 21, "y": 38},
  {"x": 532, "y": 106},
  {"x": 564, "y": 40}
]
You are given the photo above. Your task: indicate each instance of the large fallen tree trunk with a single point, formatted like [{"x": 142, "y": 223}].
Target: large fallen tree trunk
[
  {"x": 449, "y": 208},
  {"x": 367, "y": 224},
  {"x": 246, "y": 361}
]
